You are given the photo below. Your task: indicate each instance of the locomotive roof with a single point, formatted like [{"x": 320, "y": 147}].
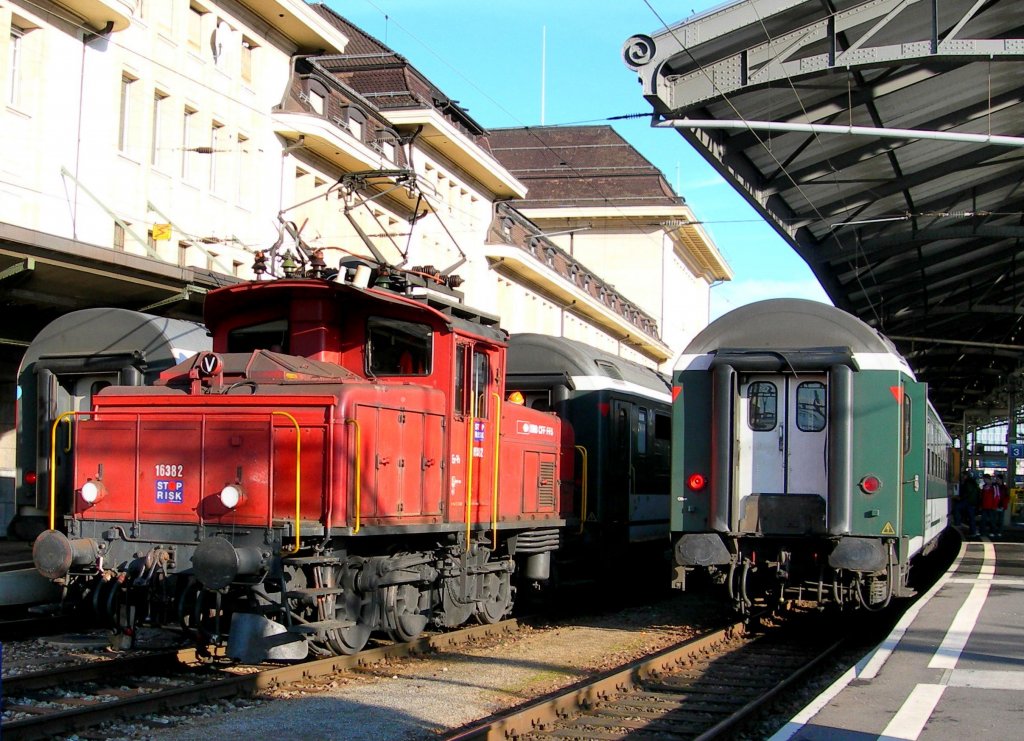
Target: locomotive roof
[
  {"x": 543, "y": 354},
  {"x": 791, "y": 324},
  {"x": 230, "y": 300},
  {"x": 163, "y": 342}
]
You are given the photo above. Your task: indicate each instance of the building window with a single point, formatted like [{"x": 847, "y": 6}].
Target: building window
[
  {"x": 119, "y": 236},
  {"x": 156, "y": 146},
  {"x": 316, "y": 102},
  {"x": 246, "y": 59},
  {"x": 216, "y": 131},
  {"x": 211, "y": 260},
  {"x": 15, "y": 54},
  {"x": 195, "y": 27},
  {"x": 183, "y": 255},
  {"x": 242, "y": 172},
  {"x": 125, "y": 121},
  {"x": 187, "y": 155}
]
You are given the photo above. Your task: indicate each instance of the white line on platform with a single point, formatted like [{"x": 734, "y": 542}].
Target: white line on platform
[
  {"x": 987, "y": 679},
  {"x": 910, "y": 719},
  {"x": 868, "y": 666}
]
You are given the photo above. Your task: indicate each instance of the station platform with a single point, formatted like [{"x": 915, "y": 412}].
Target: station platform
[
  {"x": 951, "y": 669},
  {"x": 20, "y": 583}
]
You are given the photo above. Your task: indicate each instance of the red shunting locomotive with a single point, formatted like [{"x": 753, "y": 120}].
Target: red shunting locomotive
[{"x": 342, "y": 461}]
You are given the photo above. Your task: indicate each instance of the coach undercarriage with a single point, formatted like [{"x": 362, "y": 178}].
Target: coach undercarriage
[{"x": 765, "y": 571}]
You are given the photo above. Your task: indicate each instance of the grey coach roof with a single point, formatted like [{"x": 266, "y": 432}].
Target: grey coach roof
[
  {"x": 883, "y": 140},
  {"x": 790, "y": 324}
]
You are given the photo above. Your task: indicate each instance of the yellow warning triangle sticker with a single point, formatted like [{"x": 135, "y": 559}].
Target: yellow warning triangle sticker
[{"x": 887, "y": 530}]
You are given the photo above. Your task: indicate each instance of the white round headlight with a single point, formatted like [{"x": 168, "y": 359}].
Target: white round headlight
[
  {"x": 230, "y": 496},
  {"x": 91, "y": 492}
]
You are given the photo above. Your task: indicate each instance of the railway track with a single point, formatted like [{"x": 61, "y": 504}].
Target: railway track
[
  {"x": 52, "y": 702},
  {"x": 702, "y": 688}
]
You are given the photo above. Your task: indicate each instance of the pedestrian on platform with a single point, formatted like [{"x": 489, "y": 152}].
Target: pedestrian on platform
[
  {"x": 1004, "y": 502},
  {"x": 966, "y": 511},
  {"x": 990, "y": 498}
]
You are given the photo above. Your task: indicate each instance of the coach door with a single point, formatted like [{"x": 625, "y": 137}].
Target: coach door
[{"x": 782, "y": 435}]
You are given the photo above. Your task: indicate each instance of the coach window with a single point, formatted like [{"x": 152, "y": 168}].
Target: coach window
[
  {"x": 272, "y": 335},
  {"x": 397, "y": 348},
  {"x": 906, "y": 422},
  {"x": 810, "y": 406},
  {"x": 641, "y": 431},
  {"x": 762, "y": 407}
]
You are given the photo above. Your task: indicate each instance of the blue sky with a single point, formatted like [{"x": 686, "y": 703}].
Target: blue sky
[{"x": 488, "y": 57}]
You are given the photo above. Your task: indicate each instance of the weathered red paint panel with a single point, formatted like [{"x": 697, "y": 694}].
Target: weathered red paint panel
[{"x": 165, "y": 458}]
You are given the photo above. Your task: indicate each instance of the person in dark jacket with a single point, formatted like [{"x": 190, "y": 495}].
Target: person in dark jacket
[{"x": 967, "y": 507}]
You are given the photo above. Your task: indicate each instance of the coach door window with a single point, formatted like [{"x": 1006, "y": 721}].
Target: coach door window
[
  {"x": 810, "y": 406},
  {"x": 762, "y": 400}
]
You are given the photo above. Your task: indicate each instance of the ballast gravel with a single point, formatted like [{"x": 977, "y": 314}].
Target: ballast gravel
[{"x": 423, "y": 698}]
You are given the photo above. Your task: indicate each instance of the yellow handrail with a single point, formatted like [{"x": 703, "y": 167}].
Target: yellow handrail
[
  {"x": 298, "y": 496},
  {"x": 359, "y": 476},
  {"x": 469, "y": 463},
  {"x": 53, "y": 465},
  {"x": 67, "y": 447},
  {"x": 497, "y": 449},
  {"x": 583, "y": 487}
]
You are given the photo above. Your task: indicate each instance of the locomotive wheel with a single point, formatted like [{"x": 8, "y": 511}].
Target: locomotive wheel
[
  {"x": 404, "y": 618},
  {"x": 351, "y": 640},
  {"x": 495, "y": 597},
  {"x": 350, "y": 606}
]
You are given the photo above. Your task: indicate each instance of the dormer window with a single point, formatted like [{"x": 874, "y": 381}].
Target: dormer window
[
  {"x": 317, "y": 102},
  {"x": 316, "y": 96},
  {"x": 356, "y": 122}
]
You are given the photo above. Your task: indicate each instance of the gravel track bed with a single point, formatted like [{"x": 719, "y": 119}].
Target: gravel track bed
[{"x": 422, "y": 698}]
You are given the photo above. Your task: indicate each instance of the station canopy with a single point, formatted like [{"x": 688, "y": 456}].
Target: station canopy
[{"x": 884, "y": 141}]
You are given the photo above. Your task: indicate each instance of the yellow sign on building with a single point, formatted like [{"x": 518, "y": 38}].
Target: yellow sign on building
[{"x": 161, "y": 232}]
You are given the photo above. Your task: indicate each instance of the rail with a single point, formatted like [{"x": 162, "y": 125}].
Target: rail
[{"x": 53, "y": 462}]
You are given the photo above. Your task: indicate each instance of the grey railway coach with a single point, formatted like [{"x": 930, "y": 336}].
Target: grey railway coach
[
  {"x": 620, "y": 414},
  {"x": 807, "y": 461},
  {"x": 71, "y": 359}
]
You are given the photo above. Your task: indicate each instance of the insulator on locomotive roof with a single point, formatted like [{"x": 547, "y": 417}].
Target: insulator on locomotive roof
[
  {"x": 288, "y": 265},
  {"x": 259, "y": 264},
  {"x": 317, "y": 266}
]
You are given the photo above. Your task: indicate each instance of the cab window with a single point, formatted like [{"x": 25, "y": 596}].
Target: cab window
[
  {"x": 397, "y": 348},
  {"x": 272, "y": 335}
]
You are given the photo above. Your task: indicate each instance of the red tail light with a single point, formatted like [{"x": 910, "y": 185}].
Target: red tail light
[
  {"x": 870, "y": 484},
  {"x": 30, "y": 478},
  {"x": 696, "y": 481}
]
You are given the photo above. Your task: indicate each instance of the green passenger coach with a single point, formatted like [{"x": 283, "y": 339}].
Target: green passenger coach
[{"x": 807, "y": 462}]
